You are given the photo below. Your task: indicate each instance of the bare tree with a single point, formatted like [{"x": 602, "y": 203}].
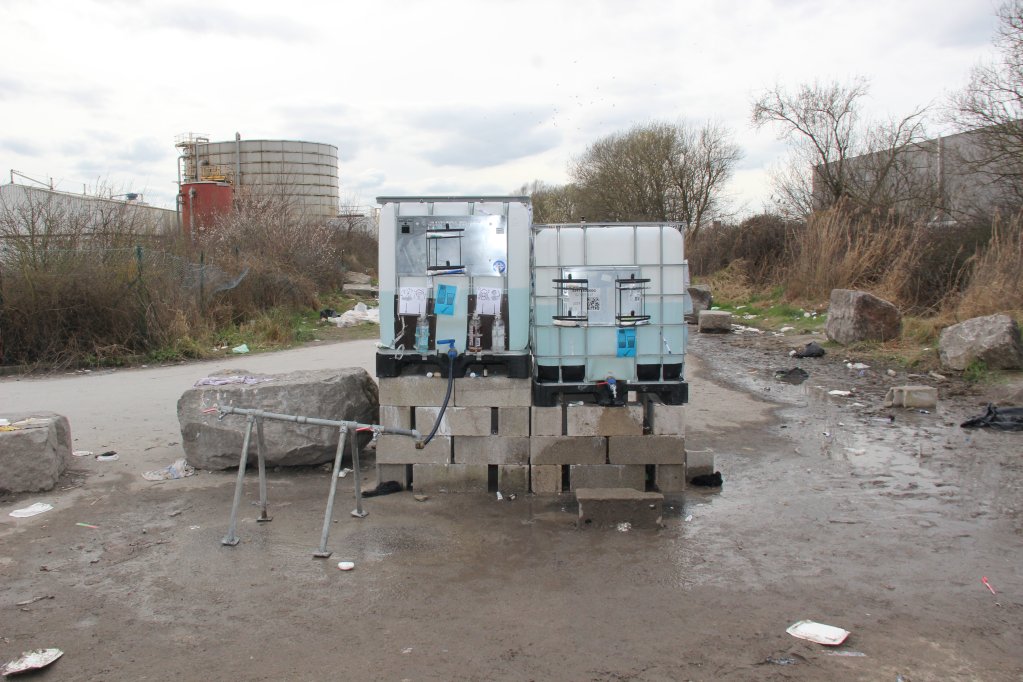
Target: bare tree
[
  {"x": 992, "y": 105},
  {"x": 836, "y": 155},
  {"x": 552, "y": 203},
  {"x": 656, "y": 172}
]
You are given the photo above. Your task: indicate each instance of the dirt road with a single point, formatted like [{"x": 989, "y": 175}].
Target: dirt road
[{"x": 829, "y": 512}]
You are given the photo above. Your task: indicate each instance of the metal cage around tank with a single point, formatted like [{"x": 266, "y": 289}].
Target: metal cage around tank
[{"x": 608, "y": 306}]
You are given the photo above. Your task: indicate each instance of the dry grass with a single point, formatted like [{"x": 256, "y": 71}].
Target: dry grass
[
  {"x": 996, "y": 276},
  {"x": 837, "y": 250}
]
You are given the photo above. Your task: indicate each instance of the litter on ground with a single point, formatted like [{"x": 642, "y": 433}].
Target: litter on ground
[
  {"x": 31, "y": 660},
  {"x": 818, "y": 632},
  {"x": 180, "y": 469},
  {"x": 32, "y": 510}
]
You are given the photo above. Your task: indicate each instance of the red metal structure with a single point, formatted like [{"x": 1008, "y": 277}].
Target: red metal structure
[{"x": 202, "y": 204}]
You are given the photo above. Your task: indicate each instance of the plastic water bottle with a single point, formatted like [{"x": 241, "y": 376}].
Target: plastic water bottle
[
  {"x": 497, "y": 334},
  {"x": 423, "y": 334}
]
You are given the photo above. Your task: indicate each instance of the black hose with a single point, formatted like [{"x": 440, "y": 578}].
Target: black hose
[{"x": 444, "y": 405}]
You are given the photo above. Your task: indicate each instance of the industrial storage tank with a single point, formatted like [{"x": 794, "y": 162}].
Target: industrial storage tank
[{"x": 305, "y": 173}]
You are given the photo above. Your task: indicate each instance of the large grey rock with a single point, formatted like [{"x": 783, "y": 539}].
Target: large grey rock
[
  {"x": 993, "y": 340},
  {"x": 700, "y": 295},
  {"x": 35, "y": 453},
  {"x": 347, "y": 394},
  {"x": 858, "y": 316},
  {"x": 715, "y": 321}
]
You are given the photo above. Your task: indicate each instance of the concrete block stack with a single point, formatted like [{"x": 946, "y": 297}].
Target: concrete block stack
[
  {"x": 637, "y": 445},
  {"x": 491, "y": 437},
  {"x": 482, "y": 441}
]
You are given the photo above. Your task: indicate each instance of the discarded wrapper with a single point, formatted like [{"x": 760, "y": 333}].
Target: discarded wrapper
[
  {"x": 818, "y": 632},
  {"x": 180, "y": 469},
  {"x": 32, "y": 510},
  {"x": 31, "y": 660},
  {"x": 346, "y": 565}
]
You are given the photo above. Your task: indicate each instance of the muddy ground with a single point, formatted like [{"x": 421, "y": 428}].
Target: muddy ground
[{"x": 830, "y": 511}]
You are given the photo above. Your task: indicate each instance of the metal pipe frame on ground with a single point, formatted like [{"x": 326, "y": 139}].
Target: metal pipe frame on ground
[{"x": 345, "y": 427}]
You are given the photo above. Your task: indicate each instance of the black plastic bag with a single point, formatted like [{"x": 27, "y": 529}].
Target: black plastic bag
[
  {"x": 812, "y": 350},
  {"x": 1001, "y": 418}
]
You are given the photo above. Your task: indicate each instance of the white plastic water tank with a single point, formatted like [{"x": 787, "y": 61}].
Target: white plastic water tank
[{"x": 625, "y": 266}]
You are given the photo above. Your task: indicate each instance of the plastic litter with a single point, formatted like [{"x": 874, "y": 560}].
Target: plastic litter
[
  {"x": 344, "y": 472},
  {"x": 385, "y": 488},
  {"x": 999, "y": 418},
  {"x": 420, "y": 498},
  {"x": 988, "y": 585},
  {"x": 624, "y": 527},
  {"x": 232, "y": 379},
  {"x": 356, "y": 316},
  {"x": 244, "y": 348},
  {"x": 31, "y": 510},
  {"x": 346, "y": 565},
  {"x": 810, "y": 350},
  {"x": 108, "y": 456},
  {"x": 33, "y": 600},
  {"x": 87, "y": 525},
  {"x": 180, "y": 469},
  {"x": 31, "y": 660},
  {"x": 828, "y": 635},
  {"x": 81, "y": 453},
  {"x": 848, "y": 652},
  {"x": 499, "y": 496},
  {"x": 856, "y": 365},
  {"x": 840, "y": 394}
]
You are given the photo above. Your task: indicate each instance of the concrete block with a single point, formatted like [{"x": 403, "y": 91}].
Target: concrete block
[
  {"x": 567, "y": 450},
  {"x": 414, "y": 391},
  {"x": 395, "y": 472},
  {"x": 492, "y": 392},
  {"x": 715, "y": 321},
  {"x": 667, "y": 420},
  {"x": 596, "y": 420},
  {"x": 670, "y": 478},
  {"x": 402, "y": 450},
  {"x": 513, "y": 478},
  {"x": 924, "y": 397},
  {"x": 608, "y": 507},
  {"x": 546, "y": 421},
  {"x": 646, "y": 450},
  {"x": 35, "y": 452},
  {"x": 396, "y": 417},
  {"x": 457, "y": 421},
  {"x": 449, "y": 478},
  {"x": 545, "y": 479},
  {"x": 607, "y": 476},
  {"x": 491, "y": 450},
  {"x": 513, "y": 421},
  {"x": 699, "y": 463}
]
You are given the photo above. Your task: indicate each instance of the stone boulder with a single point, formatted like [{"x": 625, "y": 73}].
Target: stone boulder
[
  {"x": 993, "y": 340},
  {"x": 700, "y": 295},
  {"x": 715, "y": 321},
  {"x": 858, "y": 316},
  {"x": 35, "y": 450},
  {"x": 347, "y": 394}
]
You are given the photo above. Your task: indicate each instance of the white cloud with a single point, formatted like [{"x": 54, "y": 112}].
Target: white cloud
[{"x": 448, "y": 96}]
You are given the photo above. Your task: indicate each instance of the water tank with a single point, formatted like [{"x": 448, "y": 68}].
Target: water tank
[
  {"x": 306, "y": 173},
  {"x": 609, "y": 301},
  {"x": 203, "y": 204}
]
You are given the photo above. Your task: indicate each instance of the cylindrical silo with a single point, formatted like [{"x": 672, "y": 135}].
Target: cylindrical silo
[{"x": 305, "y": 173}]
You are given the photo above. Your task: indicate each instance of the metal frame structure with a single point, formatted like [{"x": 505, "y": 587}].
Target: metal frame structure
[{"x": 345, "y": 427}]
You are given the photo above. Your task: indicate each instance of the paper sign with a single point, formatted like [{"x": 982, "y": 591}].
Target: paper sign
[
  {"x": 445, "y": 301},
  {"x": 412, "y": 301},
  {"x": 488, "y": 301}
]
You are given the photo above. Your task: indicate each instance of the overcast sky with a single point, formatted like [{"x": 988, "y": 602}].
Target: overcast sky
[{"x": 443, "y": 97}]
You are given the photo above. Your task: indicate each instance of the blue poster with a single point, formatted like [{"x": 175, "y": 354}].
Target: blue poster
[
  {"x": 444, "y": 304},
  {"x": 627, "y": 343}
]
